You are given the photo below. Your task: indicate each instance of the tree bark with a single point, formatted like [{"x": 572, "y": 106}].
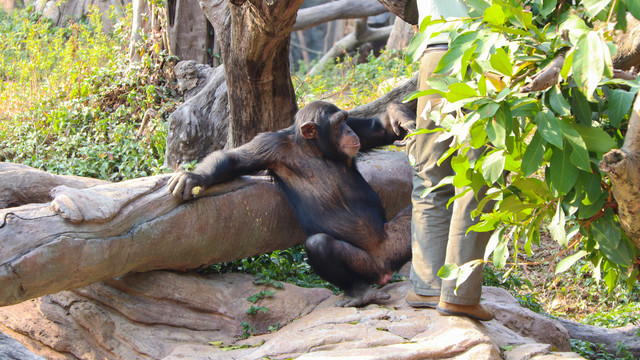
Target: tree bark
[
  {"x": 623, "y": 167},
  {"x": 255, "y": 51},
  {"x": 200, "y": 125},
  {"x": 82, "y": 233},
  {"x": 188, "y": 32},
  {"x": 404, "y": 9}
]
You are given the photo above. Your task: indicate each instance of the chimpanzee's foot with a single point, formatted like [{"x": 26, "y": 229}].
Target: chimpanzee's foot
[{"x": 362, "y": 297}]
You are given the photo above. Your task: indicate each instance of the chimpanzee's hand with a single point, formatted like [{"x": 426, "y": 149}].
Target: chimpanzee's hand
[
  {"x": 402, "y": 121},
  {"x": 185, "y": 185}
]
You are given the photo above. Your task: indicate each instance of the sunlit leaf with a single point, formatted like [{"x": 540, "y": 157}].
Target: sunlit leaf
[
  {"x": 501, "y": 62},
  {"x": 594, "y": 7},
  {"x": 501, "y": 254},
  {"x": 589, "y": 62},
  {"x": 566, "y": 263},
  {"x": 448, "y": 271},
  {"x": 496, "y": 131},
  {"x": 494, "y": 240},
  {"x": 494, "y": 14},
  {"x": 557, "y": 227},
  {"x": 460, "y": 91},
  {"x": 493, "y": 166}
]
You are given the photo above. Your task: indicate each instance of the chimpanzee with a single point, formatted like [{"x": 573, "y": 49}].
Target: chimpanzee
[{"x": 350, "y": 243}]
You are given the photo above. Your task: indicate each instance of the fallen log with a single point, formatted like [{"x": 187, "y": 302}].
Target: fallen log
[{"x": 82, "y": 236}]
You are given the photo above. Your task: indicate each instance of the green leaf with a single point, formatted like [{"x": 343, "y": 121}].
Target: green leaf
[
  {"x": 558, "y": 103},
  {"x": 494, "y": 15},
  {"x": 589, "y": 62},
  {"x": 587, "y": 211},
  {"x": 579, "y": 154},
  {"x": 449, "y": 271},
  {"x": 546, "y": 7},
  {"x": 460, "y": 91},
  {"x": 494, "y": 240},
  {"x": 533, "y": 155},
  {"x": 621, "y": 16},
  {"x": 562, "y": 173},
  {"x": 634, "y": 7},
  {"x": 557, "y": 227},
  {"x": 478, "y": 135},
  {"x": 456, "y": 51},
  {"x": 606, "y": 233},
  {"x": 591, "y": 186},
  {"x": 416, "y": 47},
  {"x": 576, "y": 28},
  {"x": 501, "y": 62},
  {"x": 496, "y": 132},
  {"x": 549, "y": 128},
  {"x": 566, "y": 263},
  {"x": 447, "y": 180},
  {"x": 493, "y": 166},
  {"x": 501, "y": 254},
  {"x": 594, "y": 7},
  {"x": 466, "y": 270},
  {"x": 620, "y": 102},
  {"x": 596, "y": 139},
  {"x": 417, "y": 94},
  {"x": 479, "y": 5},
  {"x": 535, "y": 190},
  {"x": 580, "y": 107},
  {"x": 460, "y": 165}
]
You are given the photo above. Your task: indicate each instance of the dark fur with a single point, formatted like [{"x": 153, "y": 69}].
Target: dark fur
[{"x": 340, "y": 212}]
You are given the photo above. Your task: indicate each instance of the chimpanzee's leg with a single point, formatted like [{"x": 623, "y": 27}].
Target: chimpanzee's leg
[
  {"x": 395, "y": 250},
  {"x": 348, "y": 267}
]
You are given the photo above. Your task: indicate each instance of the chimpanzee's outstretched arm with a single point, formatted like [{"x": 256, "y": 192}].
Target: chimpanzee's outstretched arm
[
  {"x": 221, "y": 166},
  {"x": 394, "y": 125}
]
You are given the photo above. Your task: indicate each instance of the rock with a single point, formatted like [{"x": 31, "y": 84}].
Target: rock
[
  {"x": 538, "y": 327},
  {"x": 171, "y": 315},
  {"x": 10, "y": 349}
]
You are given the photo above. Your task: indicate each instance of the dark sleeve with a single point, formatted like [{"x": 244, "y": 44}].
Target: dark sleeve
[{"x": 258, "y": 154}]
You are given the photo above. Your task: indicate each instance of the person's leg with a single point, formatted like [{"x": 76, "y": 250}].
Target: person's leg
[
  {"x": 430, "y": 217},
  {"x": 465, "y": 246}
]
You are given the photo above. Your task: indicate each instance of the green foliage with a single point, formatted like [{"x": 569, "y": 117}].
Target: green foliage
[
  {"x": 548, "y": 138},
  {"x": 288, "y": 265},
  {"x": 593, "y": 351},
  {"x": 350, "y": 84},
  {"x": 71, "y": 104},
  {"x": 621, "y": 315}
]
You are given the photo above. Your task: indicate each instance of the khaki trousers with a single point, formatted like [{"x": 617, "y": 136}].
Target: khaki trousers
[{"x": 439, "y": 234}]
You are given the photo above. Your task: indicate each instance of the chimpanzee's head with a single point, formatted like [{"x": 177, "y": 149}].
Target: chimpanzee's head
[{"x": 325, "y": 125}]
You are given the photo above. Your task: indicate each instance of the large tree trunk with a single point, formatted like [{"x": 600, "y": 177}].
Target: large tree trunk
[{"x": 256, "y": 56}]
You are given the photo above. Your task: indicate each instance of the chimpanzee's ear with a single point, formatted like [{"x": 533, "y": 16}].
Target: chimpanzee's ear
[{"x": 309, "y": 130}]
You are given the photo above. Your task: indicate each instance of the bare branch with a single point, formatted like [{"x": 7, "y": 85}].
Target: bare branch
[
  {"x": 548, "y": 77},
  {"x": 342, "y": 9}
]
